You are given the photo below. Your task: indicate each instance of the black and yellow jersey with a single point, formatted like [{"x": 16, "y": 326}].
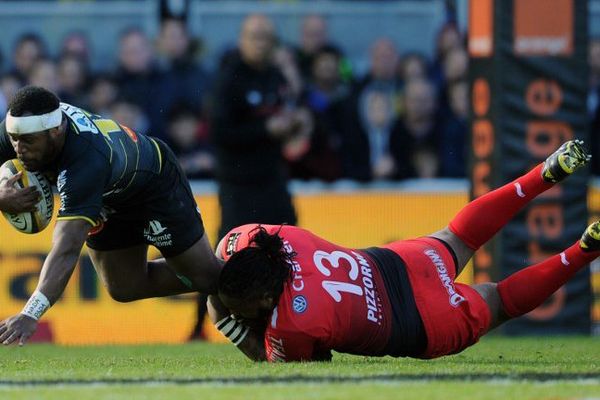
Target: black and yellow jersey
[{"x": 103, "y": 165}]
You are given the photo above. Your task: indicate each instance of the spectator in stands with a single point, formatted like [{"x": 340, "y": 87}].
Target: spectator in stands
[
  {"x": 250, "y": 124},
  {"x": 454, "y": 122},
  {"x": 285, "y": 60},
  {"x": 76, "y": 44},
  {"x": 294, "y": 147},
  {"x": 384, "y": 64},
  {"x": 382, "y": 75},
  {"x": 9, "y": 84},
  {"x": 189, "y": 136},
  {"x": 72, "y": 79},
  {"x": 44, "y": 74},
  {"x": 140, "y": 81},
  {"x": 128, "y": 113},
  {"x": 28, "y": 49},
  {"x": 594, "y": 102},
  {"x": 455, "y": 69},
  {"x": 413, "y": 66},
  {"x": 177, "y": 59},
  {"x": 456, "y": 65},
  {"x": 325, "y": 96},
  {"x": 420, "y": 129},
  {"x": 313, "y": 36},
  {"x": 381, "y": 78},
  {"x": 435, "y": 142},
  {"x": 372, "y": 147},
  {"x": 102, "y": 94},
  {"x": 448, "y": 38},
  {"x": 458, "y": 96}
]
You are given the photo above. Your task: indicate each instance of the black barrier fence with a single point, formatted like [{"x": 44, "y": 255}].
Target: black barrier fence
[{"x": 529, "y": 88}]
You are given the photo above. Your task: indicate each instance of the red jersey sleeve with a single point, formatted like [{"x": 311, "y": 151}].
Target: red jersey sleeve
[{"x": 289, "y": 346}]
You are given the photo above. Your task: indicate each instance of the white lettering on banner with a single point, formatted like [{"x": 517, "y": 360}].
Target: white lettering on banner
[
  {"x": 454, "y": 298},
  {"x": 542, "y": 45}
]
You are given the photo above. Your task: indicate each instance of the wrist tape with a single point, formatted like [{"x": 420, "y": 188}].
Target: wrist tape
[
  {"x": 36, "y": 306},
  {"x": 233, "y": 329}
]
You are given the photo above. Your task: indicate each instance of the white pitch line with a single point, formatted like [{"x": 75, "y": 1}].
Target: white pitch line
[{"x": 15, "y": 386}]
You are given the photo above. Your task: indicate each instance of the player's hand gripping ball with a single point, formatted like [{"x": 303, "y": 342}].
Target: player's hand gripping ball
[{"x": 36, "y": 221}]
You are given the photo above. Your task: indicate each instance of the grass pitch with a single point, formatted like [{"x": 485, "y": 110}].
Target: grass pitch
[{"x": 496, "y": 368}]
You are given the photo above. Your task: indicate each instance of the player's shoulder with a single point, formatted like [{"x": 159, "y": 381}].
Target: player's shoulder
[
  {"x": 299, "y": 313},
  {"x": 80, "y": 120},
  {"x": 86, "y": 133},
  {"x": 239, "y": 238}
]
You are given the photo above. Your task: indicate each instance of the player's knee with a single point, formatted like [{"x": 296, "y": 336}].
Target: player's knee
[
  {"x": 461, "y": 250},
  {"x": 122, "y": 295},
  {"x": 489, "y": 292}
]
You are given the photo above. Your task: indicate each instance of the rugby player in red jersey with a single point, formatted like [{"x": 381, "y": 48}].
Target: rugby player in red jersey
[{"x": 294, "y": 296}]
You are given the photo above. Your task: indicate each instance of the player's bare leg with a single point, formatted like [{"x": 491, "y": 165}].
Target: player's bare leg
[
  {"x": 481, "y": 219},
  {"x": 526, "y": 289},
  {"x": 198, "y": 267},
  {"x": 128, "y": 275}
]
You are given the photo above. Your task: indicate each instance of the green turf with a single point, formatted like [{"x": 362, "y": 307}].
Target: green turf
[
  {"x": 494, "y": 357},
  {"x": 404, "y": 391}
]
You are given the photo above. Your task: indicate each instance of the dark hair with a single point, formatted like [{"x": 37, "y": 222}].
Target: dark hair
[
  {"x": 262, "y": 267},
  {"x": 33, "y": 38},
  {"x": 329, "y": 49},
  {"x": 131, "y": 31},
  {"x": 182, "y": 110},
  {"x": 33, "y": 99}
]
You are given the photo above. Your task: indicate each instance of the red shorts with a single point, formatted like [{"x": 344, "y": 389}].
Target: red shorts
[{"x": 454, "y": 315}]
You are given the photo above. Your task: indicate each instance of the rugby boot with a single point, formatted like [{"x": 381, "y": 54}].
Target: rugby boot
[
  {"x": 590, "y": 241},
  {"x": 563, "y": 162}
]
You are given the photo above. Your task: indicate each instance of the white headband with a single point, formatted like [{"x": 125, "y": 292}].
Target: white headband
[{"x": 33, "y": 123}]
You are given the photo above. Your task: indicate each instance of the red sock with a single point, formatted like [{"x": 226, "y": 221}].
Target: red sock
[
  {"x": 523, "y": 291},
  {"x": 482, "y": 218}
]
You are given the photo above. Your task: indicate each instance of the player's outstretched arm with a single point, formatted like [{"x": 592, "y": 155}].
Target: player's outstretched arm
[
  {"x": 249, "y": 340},
  {"x": 68, "y": 240}
]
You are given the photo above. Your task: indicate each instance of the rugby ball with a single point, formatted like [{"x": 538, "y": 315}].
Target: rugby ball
[{"x": 29, "y": 222}]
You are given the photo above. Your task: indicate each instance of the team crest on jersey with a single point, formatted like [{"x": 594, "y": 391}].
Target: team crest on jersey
[
  {"x": 78, "y": 117},
  {"x": 299, "y": 304},
  {"x": 232, "y": 242}
]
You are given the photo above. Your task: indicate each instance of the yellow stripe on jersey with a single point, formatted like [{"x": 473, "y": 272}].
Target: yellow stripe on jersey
[
  {"x": 107, "y": 126},
  {"x": 73, "y": 217},
  {"x": 159, "y": 155}
]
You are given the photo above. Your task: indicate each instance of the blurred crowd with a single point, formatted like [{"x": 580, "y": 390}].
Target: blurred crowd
[{"x": 404, "y": 118}]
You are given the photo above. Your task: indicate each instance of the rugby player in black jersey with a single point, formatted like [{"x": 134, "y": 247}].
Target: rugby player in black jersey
[{"x": 120, "y": 191}]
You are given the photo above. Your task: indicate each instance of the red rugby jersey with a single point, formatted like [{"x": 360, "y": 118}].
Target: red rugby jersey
[{"x": 335, "y": 301}]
